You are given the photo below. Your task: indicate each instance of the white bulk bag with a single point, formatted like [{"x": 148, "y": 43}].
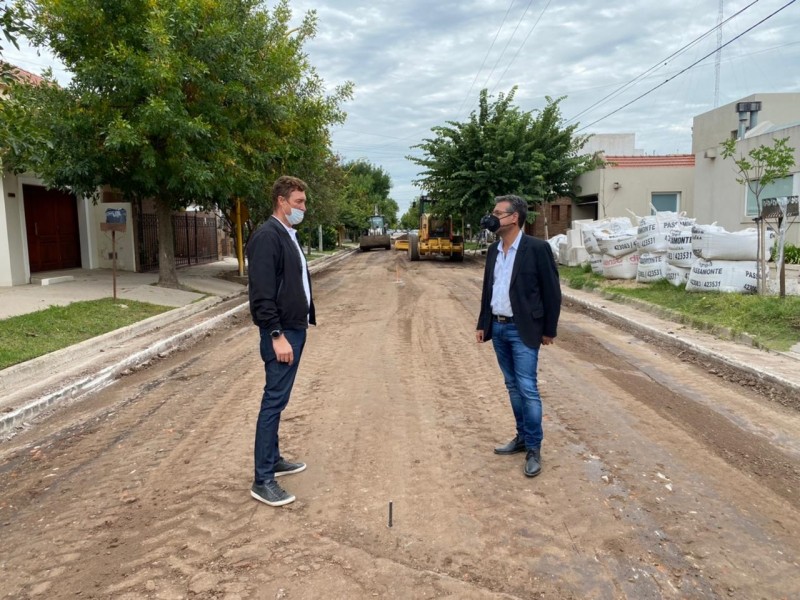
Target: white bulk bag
[
  {"x": 554, "y": 242},
  {"x": 607, "y": 226},
  {"x": 651, "y": 235},
  {"x": 679, "y": 247},
  {"x": 712, "y": 242},
  {"x": 652, "y": 267},
  {"x": 677, "y": 275},
  {"x": 737, "y": 276},
  {"x": 616, "y": 244},
  {"x": 596, "y": 262},
  {"x": 620, "y": 267}
]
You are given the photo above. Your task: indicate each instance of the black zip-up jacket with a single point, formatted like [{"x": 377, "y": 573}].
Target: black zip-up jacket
[{"x": 275, "y": 275}]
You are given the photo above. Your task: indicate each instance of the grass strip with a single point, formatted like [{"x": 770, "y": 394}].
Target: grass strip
[
  {"x": 772, "y": 322},
  {"x": 27, "y": 336}
]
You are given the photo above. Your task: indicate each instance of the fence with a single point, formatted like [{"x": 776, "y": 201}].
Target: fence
[{"x": 195, "y": 238}]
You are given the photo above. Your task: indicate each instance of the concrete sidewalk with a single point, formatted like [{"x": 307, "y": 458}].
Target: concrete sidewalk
[
  {"x": 29, "y": 388},
  {"x": 59, "y": 288}
]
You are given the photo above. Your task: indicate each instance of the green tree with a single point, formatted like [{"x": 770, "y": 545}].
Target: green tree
[
  {"x": 198, "y": 101},
  {"x": 501, "y": 150},
  {"x": 366, "y": 189},
  {"x": 13, "y": 23},
  {"x": 762, "y": 166},
  {"x": 410, "y": 218}
]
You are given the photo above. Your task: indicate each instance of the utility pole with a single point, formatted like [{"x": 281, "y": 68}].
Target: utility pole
[{"x": 718, "y": 58}]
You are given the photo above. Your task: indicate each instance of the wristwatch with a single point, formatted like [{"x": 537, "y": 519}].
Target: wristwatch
[{"x": 276, "y": 333}]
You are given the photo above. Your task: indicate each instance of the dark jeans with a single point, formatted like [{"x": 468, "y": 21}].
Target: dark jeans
[
  {"x": 518, "y": 363},
  {"x": 280, "y": 379}
]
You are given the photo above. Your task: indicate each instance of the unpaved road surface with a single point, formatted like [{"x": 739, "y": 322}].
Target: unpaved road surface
[{"x": 660, "y": 480}]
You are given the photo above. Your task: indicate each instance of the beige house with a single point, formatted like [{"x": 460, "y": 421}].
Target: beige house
[
  {"x": 701, "y": 184},
  {"x": 753, "y": 121},
  {"x": 48, "y": 230},
  {"x": 636, "y": 184}
]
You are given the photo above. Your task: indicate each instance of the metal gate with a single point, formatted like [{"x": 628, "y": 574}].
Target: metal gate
[{"x": 195, "y": 238}]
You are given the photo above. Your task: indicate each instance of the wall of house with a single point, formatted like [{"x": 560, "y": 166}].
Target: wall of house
[
  {"x": 621, "y": 191},
  {"x": 711, "y": 128},
  {"x": 13, "y": 248},
  {"x": 721, "y": 199},
  {"x": 14, "y": 261},
  {"x": 558, "y": 214},
  {"x": 612, "y": 144}
]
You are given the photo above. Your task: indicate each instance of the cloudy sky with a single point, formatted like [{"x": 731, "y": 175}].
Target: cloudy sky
[{"x": 418, "y": 63}]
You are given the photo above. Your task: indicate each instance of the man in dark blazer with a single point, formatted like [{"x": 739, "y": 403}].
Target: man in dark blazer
[
  {"x": 520, "y": 306},
  {"x": 281, "y": 306}
]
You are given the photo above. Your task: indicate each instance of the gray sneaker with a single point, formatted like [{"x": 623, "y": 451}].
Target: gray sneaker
[
  {"x": 271, "y": 493},
  {"x": 284, "y": 467}
]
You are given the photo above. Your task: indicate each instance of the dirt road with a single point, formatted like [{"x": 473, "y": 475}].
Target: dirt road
[{"x": 659, "y": 479}]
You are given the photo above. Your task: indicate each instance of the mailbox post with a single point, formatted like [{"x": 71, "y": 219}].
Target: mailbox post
[{"x": 116, "y": 221}]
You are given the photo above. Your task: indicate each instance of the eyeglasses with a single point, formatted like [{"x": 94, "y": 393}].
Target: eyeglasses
[{"x": 503, "y": 213}]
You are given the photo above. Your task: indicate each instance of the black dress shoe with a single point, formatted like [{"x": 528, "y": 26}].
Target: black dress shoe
[
  {"x": 533, "y": 462},
  {"x": 512, "y": 447}
]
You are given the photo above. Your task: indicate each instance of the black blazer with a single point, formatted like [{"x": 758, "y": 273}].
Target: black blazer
[
  {"x": 535, "y": 291},
  {"x": 275, "y": 278}
]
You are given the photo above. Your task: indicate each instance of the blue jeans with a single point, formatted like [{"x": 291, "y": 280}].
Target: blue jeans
[
  {"x": 518, "y": 363},
  {"x": 280, "y": 379}
]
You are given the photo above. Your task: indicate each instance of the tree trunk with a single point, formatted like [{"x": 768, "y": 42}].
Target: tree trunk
[{"x": 167, "y": 275}]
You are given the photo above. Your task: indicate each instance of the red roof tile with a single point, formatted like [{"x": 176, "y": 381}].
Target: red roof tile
[
  {"x": 24, "y": 75},
  {"x": 670, "y": 160}
]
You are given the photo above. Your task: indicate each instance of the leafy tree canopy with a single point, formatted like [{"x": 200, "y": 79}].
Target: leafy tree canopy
[
  {"x": 198, "y": 101},
  {"x": 366, "y": 189},
  {"x": 13, "y": 23},
  {"x": 501, "y": 150}
]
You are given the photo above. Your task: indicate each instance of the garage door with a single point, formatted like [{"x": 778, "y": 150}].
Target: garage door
[{"x": 51, "y": 221}]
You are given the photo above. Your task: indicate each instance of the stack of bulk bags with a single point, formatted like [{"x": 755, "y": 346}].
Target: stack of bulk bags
[
  {"x": 602, "y": 228},
  {"x": 680, "y": 256},
  {"x": 618, "y": 249},
  {"x": 725, "y": 261},
  {"x": 652, "y": 242},
  {"x": 555, "y": 242},
  {"x": 571, "y": 251}
]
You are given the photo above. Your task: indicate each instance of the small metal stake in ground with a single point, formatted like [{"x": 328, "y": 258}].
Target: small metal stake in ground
[{"x": 390, "y": 513}]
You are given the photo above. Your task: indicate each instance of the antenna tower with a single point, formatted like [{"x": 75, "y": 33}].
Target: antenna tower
[{"x": 718, "y": 58}]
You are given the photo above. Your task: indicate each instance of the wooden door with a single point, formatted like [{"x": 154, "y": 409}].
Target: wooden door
[{"x": 51, "y": 221}]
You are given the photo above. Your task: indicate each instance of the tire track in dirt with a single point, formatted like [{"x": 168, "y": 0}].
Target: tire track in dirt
[{"x": 141, "y": 491}]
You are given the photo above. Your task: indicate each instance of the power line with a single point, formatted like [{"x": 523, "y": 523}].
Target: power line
[
  {"x": 530, "y": 31},
  {"x": 513, "y": 33},
  {"x": 478, "y": 72},
  {"x": 660, "y": 63},
  {"x": 689, "y": 67}
]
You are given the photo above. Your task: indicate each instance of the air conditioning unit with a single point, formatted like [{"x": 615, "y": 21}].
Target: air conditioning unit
[{"x": 748, "y": 106}]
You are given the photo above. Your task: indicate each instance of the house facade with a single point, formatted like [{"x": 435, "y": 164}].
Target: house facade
[
  {"x": 636, "y": 185},
  {"x": 752, "y": 121},
  {"x": 43, "y": 229}
]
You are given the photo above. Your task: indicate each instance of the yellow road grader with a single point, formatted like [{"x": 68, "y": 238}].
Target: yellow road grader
[{"x": 437, "y": 235}]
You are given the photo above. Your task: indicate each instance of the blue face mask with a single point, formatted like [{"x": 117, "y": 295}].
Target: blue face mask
[{"x": 295, "y": 217}]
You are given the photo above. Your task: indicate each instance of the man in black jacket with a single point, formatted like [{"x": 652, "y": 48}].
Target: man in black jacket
[
  {"x": 520, "y": 306},
  {"x": 281, "y": 306}
]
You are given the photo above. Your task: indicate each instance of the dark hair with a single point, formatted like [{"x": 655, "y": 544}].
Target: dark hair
[
  {"x": 284, "y": 186},
  {"x": 518, "y": 205}
]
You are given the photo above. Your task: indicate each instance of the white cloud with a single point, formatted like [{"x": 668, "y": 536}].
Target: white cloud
[{"x": 416, "y": 64}]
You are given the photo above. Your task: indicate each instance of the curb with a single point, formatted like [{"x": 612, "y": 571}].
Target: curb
[
  {"x": 100, "y": 379},
  {"x": 666, "y": 338},
  {"x": 12, "y": 375}
]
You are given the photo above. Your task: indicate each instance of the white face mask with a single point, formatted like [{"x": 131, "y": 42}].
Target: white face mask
[{"x": 295, "y": 217}]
